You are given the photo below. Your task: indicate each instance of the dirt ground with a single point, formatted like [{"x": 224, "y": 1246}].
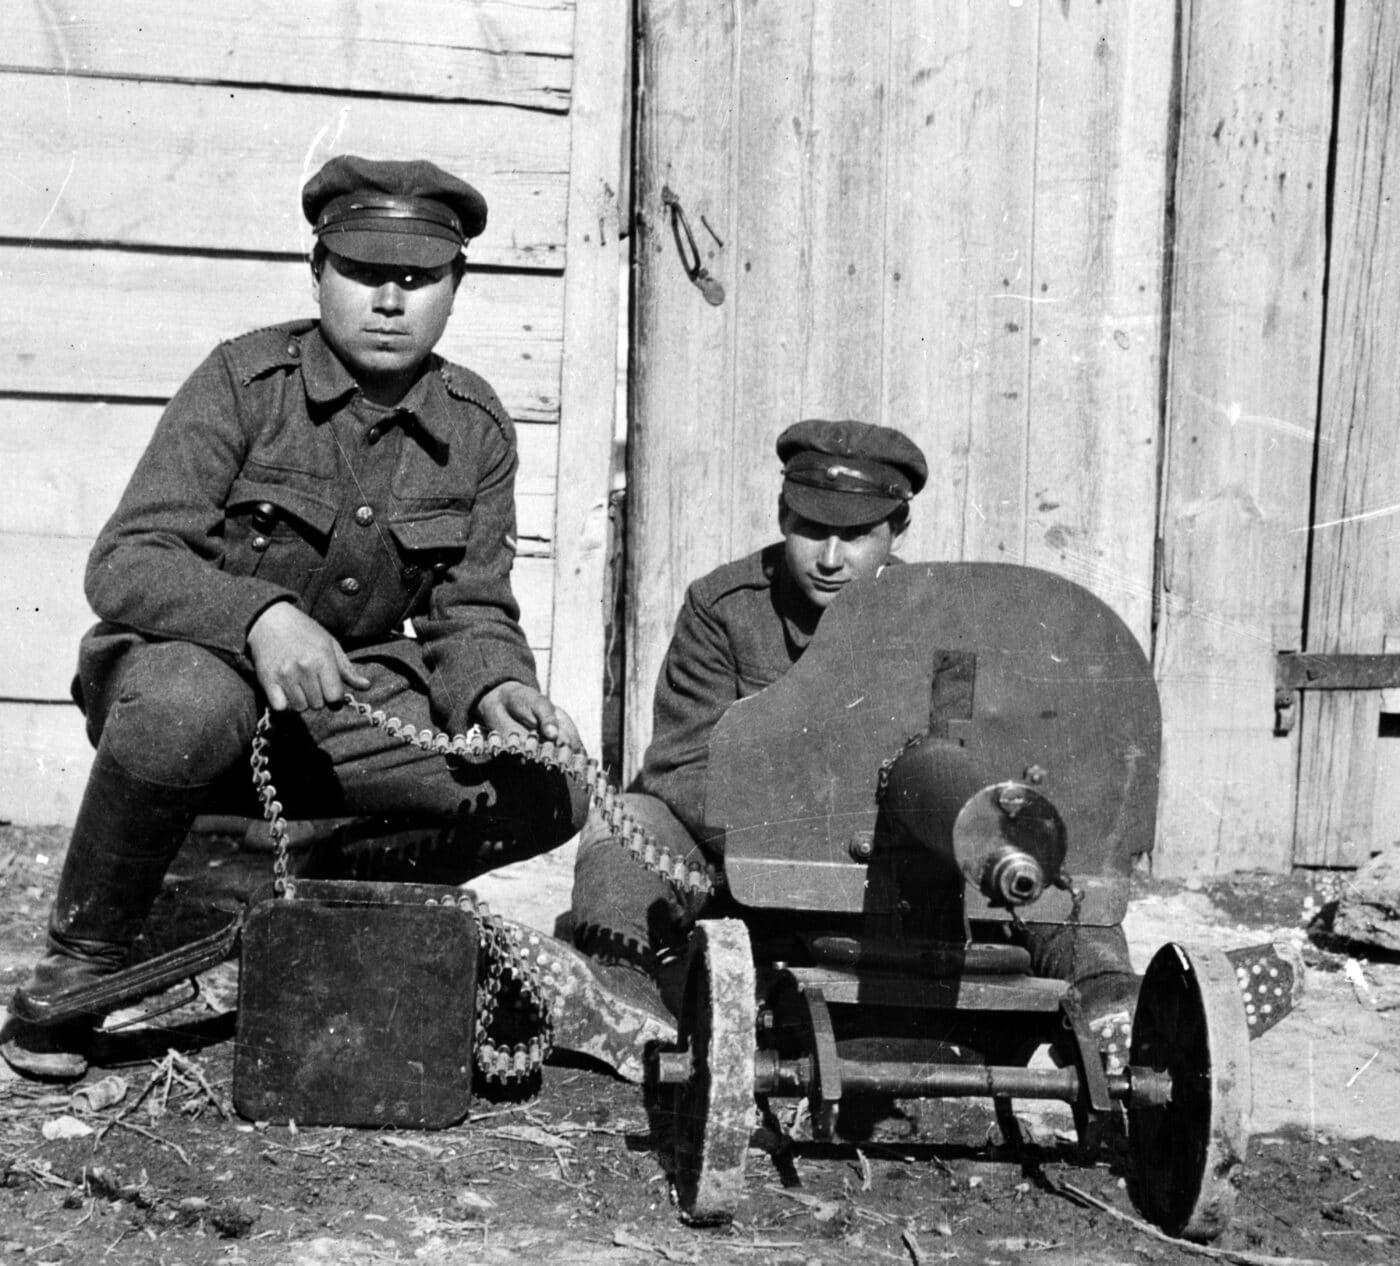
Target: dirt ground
[{"x": 577, "y": 1173}]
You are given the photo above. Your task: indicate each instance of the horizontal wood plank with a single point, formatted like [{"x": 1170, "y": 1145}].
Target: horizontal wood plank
[
  {"x": 182, "y": 165},
  {"x": 64, "y": 463},
  {"x": 44, "y": 762},
  {"x": 511, "y": 51},
  {"x": 133, "y": 324},
  {"x": 43, "y": 612}
]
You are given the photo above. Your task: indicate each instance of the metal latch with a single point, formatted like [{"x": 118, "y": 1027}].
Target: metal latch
[{"x": 1299, "y": 670}]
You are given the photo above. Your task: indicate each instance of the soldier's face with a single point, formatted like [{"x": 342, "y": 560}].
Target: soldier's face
[
  {"x": 823, "y": 559},
  {"x": 383, "y": 320}
]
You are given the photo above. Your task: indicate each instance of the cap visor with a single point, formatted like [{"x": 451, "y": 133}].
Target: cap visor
[
  {"x": 837, "y": 509},
  {"x": 411, "y": 250}
]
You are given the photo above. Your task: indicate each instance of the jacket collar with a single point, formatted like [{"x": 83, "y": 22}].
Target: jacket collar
[{"x": 328, "y": 382}]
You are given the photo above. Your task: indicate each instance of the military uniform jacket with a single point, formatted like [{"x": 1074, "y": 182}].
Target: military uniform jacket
[
  {"x": 271, "y": 478},
  {"x": 737, "y": 632}
]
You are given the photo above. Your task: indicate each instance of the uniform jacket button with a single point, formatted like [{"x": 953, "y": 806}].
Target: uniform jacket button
[
  {"x": 349, "y": 586},
  {"x": 260, "y": 543},
  {"x": 364, "y": 516},
  {"x": 372, "y": 435}
]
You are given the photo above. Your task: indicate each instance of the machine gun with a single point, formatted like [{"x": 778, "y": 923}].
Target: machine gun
[{"x": 962, "y": 746}]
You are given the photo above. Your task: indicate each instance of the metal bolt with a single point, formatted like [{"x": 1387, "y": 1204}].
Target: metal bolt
[
  {"x": 1012, "y": 797},
  {"x": 862, "y": 846}
]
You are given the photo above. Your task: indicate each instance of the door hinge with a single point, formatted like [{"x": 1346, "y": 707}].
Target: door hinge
[{"x": 1300, "y": 670}]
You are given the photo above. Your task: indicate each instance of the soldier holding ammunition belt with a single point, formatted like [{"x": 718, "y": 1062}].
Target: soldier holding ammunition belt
[
  {"x": 311, "y": 487},
  {"x": 843, "y": 510}
]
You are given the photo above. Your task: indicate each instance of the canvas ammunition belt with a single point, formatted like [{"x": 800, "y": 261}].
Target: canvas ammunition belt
[{"x": 507, "y": 976}]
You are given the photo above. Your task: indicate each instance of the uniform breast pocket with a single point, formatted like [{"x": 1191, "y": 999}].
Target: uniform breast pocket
[
  {"x": 430, "y": 545},
  {"x": 278, "y": 531}
]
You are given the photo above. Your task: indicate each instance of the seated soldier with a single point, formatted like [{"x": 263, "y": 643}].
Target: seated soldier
[
  {"x": 310, "y": 487},
  {"x": 843, "y": 510}
]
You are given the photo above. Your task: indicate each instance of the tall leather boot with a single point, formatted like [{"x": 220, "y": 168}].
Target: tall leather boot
[
  {"x": 1096, "y": 962},
  {"x": 127, "y": 834}
]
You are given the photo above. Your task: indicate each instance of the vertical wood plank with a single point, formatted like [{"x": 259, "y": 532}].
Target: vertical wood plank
[
  {"x": 962, "y": 106},
  {"x": 1242, "y": 390},
  {"x": 1355, "y": 573},
  {"x": 1095, "y": 308},
  {"x": 810, "y": 185},
  {"x": 682, "y": 405},
  {"x": 588, "y": 393}
]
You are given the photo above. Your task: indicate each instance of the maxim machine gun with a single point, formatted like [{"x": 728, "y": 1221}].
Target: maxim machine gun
[{"x": 963, "y": 746}]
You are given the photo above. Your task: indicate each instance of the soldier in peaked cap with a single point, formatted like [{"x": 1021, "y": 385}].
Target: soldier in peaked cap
[
  {"x": 843, "y": 511},
  {"x": 311, "y": 487}
]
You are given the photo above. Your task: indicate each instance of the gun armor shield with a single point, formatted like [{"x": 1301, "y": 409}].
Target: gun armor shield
[{"x": 1033, "y": 678}]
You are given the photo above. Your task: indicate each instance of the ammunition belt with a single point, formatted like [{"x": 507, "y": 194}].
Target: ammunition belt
[{"x": 506, "y": 970}]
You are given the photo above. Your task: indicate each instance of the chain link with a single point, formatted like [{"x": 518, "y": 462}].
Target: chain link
[{"x": 508, "y": 979}]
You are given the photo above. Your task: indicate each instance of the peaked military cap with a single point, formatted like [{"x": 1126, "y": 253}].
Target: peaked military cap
[
  {"x": 848, "y": 473},
  {"x": 408, "y": 213}
]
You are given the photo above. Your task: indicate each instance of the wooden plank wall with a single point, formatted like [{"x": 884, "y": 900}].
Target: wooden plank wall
[
  {"x": 1348, "y": 774},
  {"x": 947, "y": 219},
  {"x": 1081, "y": 254},
  {"x": 156, "y": 155}
]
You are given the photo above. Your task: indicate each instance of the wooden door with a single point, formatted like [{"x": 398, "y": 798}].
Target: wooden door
[
  {"x": 946, "y": 218},
  {"x": 1349, "y": 769}
]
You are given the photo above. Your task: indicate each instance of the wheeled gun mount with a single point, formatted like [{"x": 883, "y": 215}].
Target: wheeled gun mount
[
  {"x": 1006, "y": 839},
  {"x": 961, "y": 745}
]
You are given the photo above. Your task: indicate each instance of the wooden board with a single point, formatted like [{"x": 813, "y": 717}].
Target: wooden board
[
  {"x": 588, "y": 393},
  {"x": 64, "y": 464},
  {"x": 683, "y": 402},
  {"x": 43, "y": 612},
  {"x": 1354, "y": 589},
  {"x": 513, "y": 51},
  {"x": 146, "y": 320},
  {"x": 1094, "y": 309},
  {"x": 805, "y": 250},
  {"x": 957, "y": 337},
  {"x": 1241, "y": 393},
  {"x": 183, "y": 165}
]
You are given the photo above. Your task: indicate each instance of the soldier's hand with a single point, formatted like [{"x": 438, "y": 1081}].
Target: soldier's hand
[
  {"x": 299, "y": 665},
  {"x": 513, "y": 708}
]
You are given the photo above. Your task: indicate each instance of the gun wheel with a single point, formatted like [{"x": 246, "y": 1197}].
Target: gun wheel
[
  {"x": 1189, "y": 1152},
  {"x": 714, "y": 1109}
]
